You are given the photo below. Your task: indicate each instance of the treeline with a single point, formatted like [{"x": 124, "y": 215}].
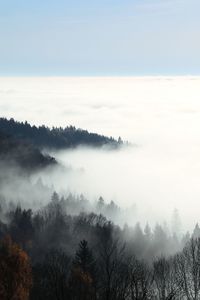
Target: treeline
[
  {"x": 55, "y": 138},
  {"x": 51, "y": 254}
]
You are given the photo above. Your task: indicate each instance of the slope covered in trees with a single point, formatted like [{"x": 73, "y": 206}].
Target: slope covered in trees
[
  {"x": 21, "y": 143},
  {"x": 56, "y": 138},
  {"x": 14, "y": 151}
]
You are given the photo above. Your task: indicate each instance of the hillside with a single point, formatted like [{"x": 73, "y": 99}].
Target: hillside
[
  {"x": 21, "y": 153},
  {"x": 55, "y": 138}
]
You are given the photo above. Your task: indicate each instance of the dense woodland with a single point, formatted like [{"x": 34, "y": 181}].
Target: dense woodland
[
  {"x": 52, "y": 254},
  {"x": 63, "y": 247},
  {"x": 55, "y": 138}
]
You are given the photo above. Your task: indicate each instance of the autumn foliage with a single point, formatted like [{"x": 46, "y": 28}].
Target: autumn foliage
[{"x": 15, "y": 271}]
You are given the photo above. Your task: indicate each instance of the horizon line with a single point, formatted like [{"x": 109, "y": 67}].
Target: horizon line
[{"x": 101, "y": 76}]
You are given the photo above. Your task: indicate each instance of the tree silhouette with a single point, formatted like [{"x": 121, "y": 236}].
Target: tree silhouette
[
  {"x": 82, "y": 279},
  {"x": 50, "y": 277},
  {"x": 84, "y": 258}
]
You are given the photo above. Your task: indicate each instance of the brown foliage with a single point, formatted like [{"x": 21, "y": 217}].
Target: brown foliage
[{"x": 15, "y": 271}]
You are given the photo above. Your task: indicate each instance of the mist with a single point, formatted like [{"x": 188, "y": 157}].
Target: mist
[
  {"x": 158, "y": 115},
  {"x": 89, "y": 216},
  {"x": 148, "y": 185}
]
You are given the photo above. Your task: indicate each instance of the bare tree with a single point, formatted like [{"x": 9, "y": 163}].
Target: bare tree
[
  {"x": 51, "y": 277},
  {"x": 112, "y": 266},
  {"x": 167, "y": 283},
  {"x": 188, "y": 263},
  {"x": 140, "y": 280}
]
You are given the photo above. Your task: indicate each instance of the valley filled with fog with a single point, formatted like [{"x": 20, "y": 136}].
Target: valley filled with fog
[{"x": 159, "y": 116}]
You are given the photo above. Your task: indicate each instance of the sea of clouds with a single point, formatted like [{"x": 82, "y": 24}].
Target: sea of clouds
[{"x": 160, "y": 115}]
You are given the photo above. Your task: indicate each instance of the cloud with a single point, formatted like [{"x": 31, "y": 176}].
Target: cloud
[{"x": 160, "y": 114}]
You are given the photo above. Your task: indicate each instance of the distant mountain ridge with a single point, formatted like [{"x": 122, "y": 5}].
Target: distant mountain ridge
[{"x": 55, "y": 138}]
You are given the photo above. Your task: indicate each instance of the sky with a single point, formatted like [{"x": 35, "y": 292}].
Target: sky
[{"x": 92, "y": 38}]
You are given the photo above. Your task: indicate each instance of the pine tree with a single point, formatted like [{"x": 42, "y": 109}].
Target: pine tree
[
  {"x": 84, "y": 258},
  {"x": 196, "y": 232},
  {"x": 82, "y": 281},
  {"x": 176, "y": 223},
  {"x": 100, "y": 204},
  {"x": 148, "y": 232}
]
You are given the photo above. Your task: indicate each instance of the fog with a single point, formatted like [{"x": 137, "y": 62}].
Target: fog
[{"x": 160, "y": 116}]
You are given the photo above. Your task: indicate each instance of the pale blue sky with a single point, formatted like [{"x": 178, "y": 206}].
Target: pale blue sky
[{"x": 105, "y": 37}]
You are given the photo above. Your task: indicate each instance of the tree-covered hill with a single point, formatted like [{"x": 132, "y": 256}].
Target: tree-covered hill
[
  {"x": 55, "y": 138},
  {"x": 21, "y": 153}
]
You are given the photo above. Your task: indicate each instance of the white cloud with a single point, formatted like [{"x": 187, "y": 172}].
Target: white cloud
[{"x": 160, "y": 114}]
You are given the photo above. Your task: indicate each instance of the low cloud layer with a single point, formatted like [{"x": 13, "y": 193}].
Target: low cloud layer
[{"x": 161, "y": 115}]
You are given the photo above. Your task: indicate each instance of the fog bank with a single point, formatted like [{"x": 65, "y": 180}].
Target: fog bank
[
  {"x": 161, "y": 115},
  {"x": 155, "y": 182}
]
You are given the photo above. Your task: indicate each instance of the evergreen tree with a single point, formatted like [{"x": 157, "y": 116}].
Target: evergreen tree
[
  {"x": 176, "y": 223},
  {"x": 82, "y": 282},
  {"x": 148, "y": 232},
  {"x": 196, "y": 232},
  {"x": 84, "y": 258},
  {"x": 100, "y": 204}
]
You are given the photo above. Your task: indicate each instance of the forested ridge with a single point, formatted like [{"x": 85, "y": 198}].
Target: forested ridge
[
  {"x": 56, "y": 137},
  {"x": 23, "y": 144}
]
